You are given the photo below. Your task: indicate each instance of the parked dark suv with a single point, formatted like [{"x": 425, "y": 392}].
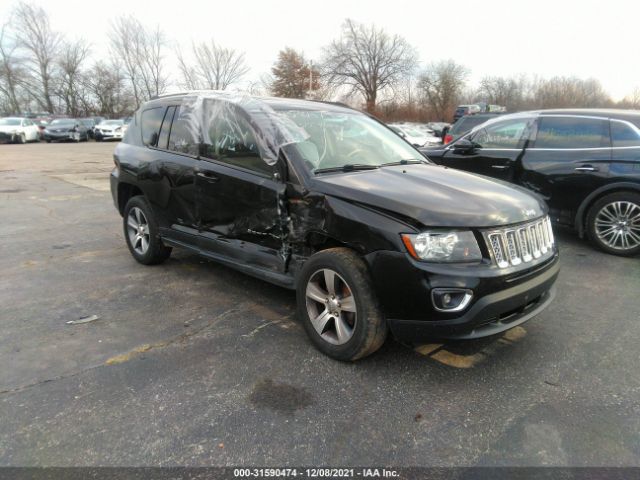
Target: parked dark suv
[
  {"x": 584, "y": 163},
  {"x": 328, "y": 201}
]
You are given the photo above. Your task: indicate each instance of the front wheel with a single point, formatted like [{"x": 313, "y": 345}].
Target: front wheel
[
  {"x": 613, "y": 223},
  {"x": 142, "y": 234},
  {"x": 22, "y": 138},
  {"x": 338, "y": 307}
]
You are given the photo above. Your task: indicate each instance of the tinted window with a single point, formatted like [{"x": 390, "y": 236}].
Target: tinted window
[
  {"x": 624, "y": 135},
  {"x": 151, "y": 121},
  {"x": 233, "y": 141},
  {"x": 182, "y": 137},
  {"x": 502, "y": 135},
  {"x": 163, "y": 139},
  {"x": 572, "y": 132}
]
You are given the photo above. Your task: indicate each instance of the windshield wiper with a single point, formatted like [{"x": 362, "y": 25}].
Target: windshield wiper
[
  {"x": 349, "y": 167},
  {"x": 405, "y": 161}
]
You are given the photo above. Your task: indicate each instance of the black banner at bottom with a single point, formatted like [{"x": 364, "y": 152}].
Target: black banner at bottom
[{"x": 224, "y": 473}]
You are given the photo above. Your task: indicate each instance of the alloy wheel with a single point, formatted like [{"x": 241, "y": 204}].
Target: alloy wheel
[
  {"x": 331, "y": 306},
  {"x": 138, "y": 230},
  {"x": 617, "y": 225}
]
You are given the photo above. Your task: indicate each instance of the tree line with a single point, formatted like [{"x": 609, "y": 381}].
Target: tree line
[{"x": 42, "y": 70}]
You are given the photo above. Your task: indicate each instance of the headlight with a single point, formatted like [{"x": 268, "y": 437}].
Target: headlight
[
  {"x": 458, "y": 246},
  {"x": 118, "y": 129}
]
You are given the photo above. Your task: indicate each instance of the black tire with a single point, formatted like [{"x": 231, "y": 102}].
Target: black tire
[
  {"x": 22, "y": 138},
  {"x": 156, "y": 252},
  {"x": 47, "y": 140},
  {"x": 370, "y": 329},
  {"x": 597, "y": 207}
]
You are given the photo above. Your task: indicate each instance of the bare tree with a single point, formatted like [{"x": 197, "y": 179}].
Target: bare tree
[
  {"x": 190, "y": 80},
  {"x": 142, "y": 53},
  {"x": 441, "y": 84},
  {"x": 106, "y": 83},
  {"x": 11, "y": 73},
  {"x": 42, "y": 43},
  {"x": 70, "y": 62},
  {"x": 559, "y": 92},
  {"x": 214, "y": 67},
  {"x": 368, "y": 60},
  {"x": 632, "y": 100},
  {"x": 507, "y": 91}
]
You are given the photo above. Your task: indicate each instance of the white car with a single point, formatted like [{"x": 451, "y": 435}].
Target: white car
[
  {"x": 18, "y": 130},
  {"x": 418, "y": 137},
  {"x": 110, "y": 129}
]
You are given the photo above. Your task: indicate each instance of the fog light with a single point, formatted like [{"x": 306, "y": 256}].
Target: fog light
[{"x": 451, "y": 299}]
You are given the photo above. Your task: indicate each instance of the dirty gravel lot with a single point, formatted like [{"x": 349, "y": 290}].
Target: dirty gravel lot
[{"x": 191, "y": 363}]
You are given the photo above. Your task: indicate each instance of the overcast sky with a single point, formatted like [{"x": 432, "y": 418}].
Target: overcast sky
[{"x": 491, "y": 37}]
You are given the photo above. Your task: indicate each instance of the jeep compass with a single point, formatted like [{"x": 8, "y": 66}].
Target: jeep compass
[{"x": 328, "y": 201}]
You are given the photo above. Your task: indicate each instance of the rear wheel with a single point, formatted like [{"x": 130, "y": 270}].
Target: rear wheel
[
  {"x": 338, "y": 306},
  {"x": 142, "y": 234},
  {"x": 613, "y": 223}
]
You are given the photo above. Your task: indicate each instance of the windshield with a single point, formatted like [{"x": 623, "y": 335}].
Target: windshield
[
  {"x": 338, "y": 139},
  {"x": 14, "y": 122},
  {"x": 63, "y": 121},
  {"x": 112, "y": 122}
]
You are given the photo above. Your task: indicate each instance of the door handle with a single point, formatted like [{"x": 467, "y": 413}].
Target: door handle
[
  {"x": 500, "y": 167},
  {"x": 586, "y": 168},
  {"x": 208, "y": 176}
]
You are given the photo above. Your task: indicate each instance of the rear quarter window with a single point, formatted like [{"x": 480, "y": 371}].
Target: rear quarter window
[
  {"x": 151, "y": 121},
  {"x": 624, "y": 135}
]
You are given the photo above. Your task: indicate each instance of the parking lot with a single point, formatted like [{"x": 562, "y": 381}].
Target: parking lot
[{"x": 191, "y": 363}]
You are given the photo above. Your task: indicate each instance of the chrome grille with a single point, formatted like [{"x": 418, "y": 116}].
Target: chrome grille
[{"x": 514, "y": 245}]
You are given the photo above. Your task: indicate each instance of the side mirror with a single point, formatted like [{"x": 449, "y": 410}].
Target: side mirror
[
  {"x": 417, "y": 145},
  {"x": 464, "y": 146}
]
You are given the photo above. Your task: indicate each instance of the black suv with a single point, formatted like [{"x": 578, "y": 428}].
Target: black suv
[
  {"x": 584, "y": 163},
  {"x": 328, "y": 201}
]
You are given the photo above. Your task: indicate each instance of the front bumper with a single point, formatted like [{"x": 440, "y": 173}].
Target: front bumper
[
  {"x": 6, "y": 137},
  {"x": 500, "y": 302},
  {"x": 109, "y": 135},
  {"x": 62, "y": 136}
]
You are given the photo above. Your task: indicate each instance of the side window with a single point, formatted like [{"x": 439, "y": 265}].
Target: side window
[
  {"x": 232, "y": 140},
  {"x": 572, "y": 132},
  {"x": 163, "y": 139},
  {"x": 502, "y": 135},
  {"x": 183, "y": 137},
  {"x": 624, "y": 135},
  {"x": 151, "y": 121}
]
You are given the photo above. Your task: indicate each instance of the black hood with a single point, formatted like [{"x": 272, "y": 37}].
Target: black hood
[{"x": 435, "y": 196}]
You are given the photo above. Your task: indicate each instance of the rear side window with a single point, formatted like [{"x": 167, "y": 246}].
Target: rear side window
[
  {"x": 163, "y": 139},
  {"x": 624, "y": 135},
  {"x": 151, "y": 122},
  {"x": 572, "y": 132},
  {"x": 182, "y": 136}
]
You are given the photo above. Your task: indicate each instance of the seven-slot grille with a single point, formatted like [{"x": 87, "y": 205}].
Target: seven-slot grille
[{"x": 518, "y": 244}]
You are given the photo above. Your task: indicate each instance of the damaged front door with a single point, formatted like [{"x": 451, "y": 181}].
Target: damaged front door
[{"x": 238, "y": 196}]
